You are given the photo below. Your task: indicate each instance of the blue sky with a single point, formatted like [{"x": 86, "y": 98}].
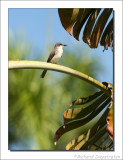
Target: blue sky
[{"x": 42, "y": 27}]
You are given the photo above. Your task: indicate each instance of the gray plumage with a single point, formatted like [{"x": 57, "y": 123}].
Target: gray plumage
[{"x": 54, "y": 56}]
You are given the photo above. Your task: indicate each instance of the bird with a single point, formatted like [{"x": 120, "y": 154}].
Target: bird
[{"x": 54, "y": 56}]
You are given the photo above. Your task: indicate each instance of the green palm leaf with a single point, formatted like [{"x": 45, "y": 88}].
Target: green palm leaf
[
  {"x": 78, "y": 117},
  {"x": 93, "y": 21}
]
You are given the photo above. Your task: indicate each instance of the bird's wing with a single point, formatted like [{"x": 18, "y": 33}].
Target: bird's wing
[{"x": 51, "y": 56}]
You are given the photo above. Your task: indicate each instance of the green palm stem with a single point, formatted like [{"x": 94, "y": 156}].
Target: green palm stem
[{"x": 22, "y": 64}]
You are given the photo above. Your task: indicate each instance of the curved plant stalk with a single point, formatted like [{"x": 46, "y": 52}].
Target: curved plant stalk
[{"x": 22, "y": 64}]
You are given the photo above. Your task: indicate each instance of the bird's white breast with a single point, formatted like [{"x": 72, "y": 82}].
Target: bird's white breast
[{"x": 58, "y": 54}]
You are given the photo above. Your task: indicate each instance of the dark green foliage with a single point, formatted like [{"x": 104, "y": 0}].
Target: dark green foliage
[{"x": 36, "y": 105}]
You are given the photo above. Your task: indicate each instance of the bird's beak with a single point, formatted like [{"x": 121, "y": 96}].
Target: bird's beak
[{"x": 64, "y": 45}]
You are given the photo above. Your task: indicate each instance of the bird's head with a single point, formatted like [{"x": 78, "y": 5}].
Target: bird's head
[{"x": 59, "y": 44}]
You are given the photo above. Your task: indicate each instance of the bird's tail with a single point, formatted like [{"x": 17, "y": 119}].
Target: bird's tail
[{"x": 43, "y": 74}]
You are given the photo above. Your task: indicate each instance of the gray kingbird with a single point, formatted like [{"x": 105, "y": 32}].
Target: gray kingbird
[{"x": 54, "y": 56}]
